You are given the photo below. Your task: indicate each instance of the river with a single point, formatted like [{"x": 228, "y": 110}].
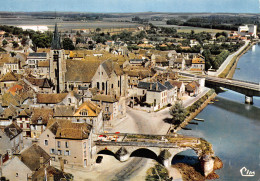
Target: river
[{"x": 233, "y": 127}]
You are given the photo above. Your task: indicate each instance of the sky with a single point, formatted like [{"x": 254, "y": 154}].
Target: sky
[{"x": 121, "y": 6}]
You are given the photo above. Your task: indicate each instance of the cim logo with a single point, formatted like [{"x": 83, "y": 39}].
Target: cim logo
[{"x": 247, "y": 173}]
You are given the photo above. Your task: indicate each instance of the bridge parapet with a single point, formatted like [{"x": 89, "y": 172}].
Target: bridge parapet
[{"x": 165, "y": 147}]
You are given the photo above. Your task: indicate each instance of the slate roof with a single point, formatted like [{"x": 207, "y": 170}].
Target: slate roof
[
  {"x": 43, "y": 55},
  {"x": 80, "y": 70},
  {"x": 156, "y": 86},
  {"x": 168, "y": 85},
  {"x": 12, "y": 130},
  {"x": 31, "y": 157},
  {"x": 50, "y": 98}
]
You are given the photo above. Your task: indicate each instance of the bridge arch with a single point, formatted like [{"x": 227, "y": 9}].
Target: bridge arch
[
  {"x": 106, "y": 152},
  {"x": 144, "y": 153}
]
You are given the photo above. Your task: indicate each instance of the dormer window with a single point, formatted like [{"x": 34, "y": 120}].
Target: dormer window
[
  {"x": 39, "y": 121},
  {"x": 83, "y": 112}
]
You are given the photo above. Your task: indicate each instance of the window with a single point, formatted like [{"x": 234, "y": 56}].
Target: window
[
  {"x": 21, "y": 125},
  {"x": 16, "y": 174},
  {"x": 69, "y": 99},
  {"x": 85, "y": 162},
  {"x": 98, "y": 85},
  {"x": 103, "y": 86},
  {"x": 66, "y": 144},
  {"x": 27, "y": 125},
  {"x": 83, "y": 112},
  {"x": 59, "y": 152},
  {"x": 112, "y": 86},
  {"x": 85, "y": 153},
  {"x": 67, "y": 153},
  {"x": 52, "y": 151},
  {"x": 85, "y": 145},
  {"x": 58, "y": 144},
  {"x": 46, "y": 142}
]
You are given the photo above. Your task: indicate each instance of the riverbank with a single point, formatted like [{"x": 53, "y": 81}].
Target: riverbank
[
  {"x": 193, "y": 114},
  {"x": 231, "y": 70}
]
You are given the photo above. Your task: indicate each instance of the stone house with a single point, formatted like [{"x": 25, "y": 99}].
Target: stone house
[
  {"x": 11, "y": 64},
  {"x": 70, "y": 141},
  {"x": 34, "y": 58},
  {"x": 14, "y": 132},
  {"x": 42, "y": 85},
  {"x": 25, "y": 164},
  {"x": 5, "y": 147},
  {"x": 193, "y": 88},
  {"x": 88, "y": 112},
  {"x": 39, "y": 120},
  {"x": 198, "y": 64},
  {"x": 112, "y": 107},
  {"x": 180, "y": 87},
  {"x": 42, "y": 70},
  {"x": 7, "y": 81},
  {"x": 70, "y": 99},
  {"x": 179, "y": 63},
  {"x": 156, "y": 94},
  {"x": 23, "y": 121},
  {"x": 172, "y": 93}
]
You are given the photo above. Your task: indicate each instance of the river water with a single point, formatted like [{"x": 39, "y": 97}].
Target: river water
[{"x": 233, "y": 127}]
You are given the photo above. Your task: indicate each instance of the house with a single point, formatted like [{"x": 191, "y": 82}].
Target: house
[
  {"x": 88, "y": 112},
  {"x": 34, "y": 58},
  {"x": 156, "y": 94},
  {"x": 70, "y": 99},
  {"x": 180, "y": 87},
  {"x": 193, "y": 88},
  {"x": 39, "y": 120},
  {"x": 7, "y": 81},
  {"x": 43, "y": 69},
  {"x": 14, "y": 133},
  {"x": 5, "y": 148},
  {"x": 10, "y": 64},
  {"x": 39, "y": 85},
  {"x": 248, "y": 30},
  {"x": 172, "y": 92},
  {"x": 111, "y": 107},
  {"x": 198, "y": 64},
  {"x": 23, "y": 121},
  {"x": 179, "y": 63},
  {"x": 69, "y": 141},
  {"x": 25, "y": 164}
]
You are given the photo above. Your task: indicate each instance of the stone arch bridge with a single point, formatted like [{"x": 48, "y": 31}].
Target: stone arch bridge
[{"x": 165, "y": 147}]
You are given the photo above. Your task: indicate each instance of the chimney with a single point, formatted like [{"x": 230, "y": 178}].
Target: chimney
[
  {"x": 156, "y": 86},
  {"x": 61, "y": 164},
  {"x": 41, "y": 162},
  {"x": 151, "y": 86}
]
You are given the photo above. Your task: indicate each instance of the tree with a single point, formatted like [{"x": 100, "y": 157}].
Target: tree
[
  {"x": 98, "y": 29},
  {"x": 68, "y": 44},
  {"x": 178, "y": 113},
  {"x": 15, "y": 44},
  {"x": 158, "y": 172},
  {"x": 4, "y": 43}
]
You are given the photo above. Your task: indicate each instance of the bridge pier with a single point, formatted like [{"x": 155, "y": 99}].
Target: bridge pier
[
  {"x": 249, "y": 99},
  {"x": 207, "y": 163},
  {"x": 122, "y": 154},
  {"x": 165, "y": 158}
]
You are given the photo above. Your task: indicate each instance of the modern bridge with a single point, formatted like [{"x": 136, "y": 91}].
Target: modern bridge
[
  {"x": 165, "y": 147},
  {"x": 249, "y": 89}
]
